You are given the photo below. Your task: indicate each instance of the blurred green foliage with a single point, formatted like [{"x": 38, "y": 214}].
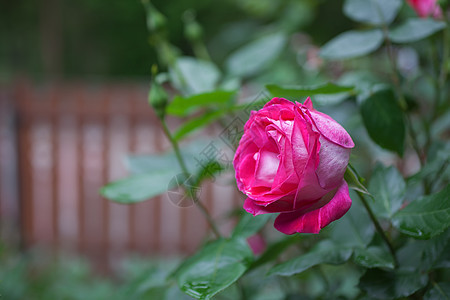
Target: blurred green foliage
[
  {"x": 36, "y": 274},
  {"x": 109, "y": 38}
]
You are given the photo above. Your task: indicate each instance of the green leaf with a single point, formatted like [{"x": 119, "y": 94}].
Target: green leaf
[
  {"x": 214, "y": 268},
  {"x": 443, "y": 261},
  {"x": 146, "y": 284},
  {"x": 381, "y": 284},
  {"x": 437, "y": 167},
  {"x": 352, "y": 44},
  {"x": 373, "y": 257},
  {"x": 425, "y": 255},
  {"x": 274, "y": 250},
  {"x": 249, "y": 225},
  {"x": 353, "y": 181},
  {"x": 153, "y": 163},
  {"x": 331, "y": 99},
  {"x": 183, "y": 106},
  {"x": 425, "y": 217},
  {"x": 388, "y": 189},
  {"x": 414, "y": 30},
  {"x": 361, "y": 80},
  {"x": 197, "y": 123},
  {"x": 384, "y": 120},
  {"x": 194, "y": 76},
  {"x": 376, "y": 12},
  {"x": 255, "y": 56},
  {"x": 354, "y": 229},
  {"x": 138, "y": 188},
  {"x": 300, "y": 92},
  {"x": 435, "y": 252},
  {"x": 152, "y": 173},
  {"x": 208, "y": 169},
  {"x": 326, "y": 252},
  {"x": 440, "y": 291},
  {"x": 410, "y": 255}
]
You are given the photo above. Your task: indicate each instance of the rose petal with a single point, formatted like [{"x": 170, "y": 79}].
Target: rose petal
[
  {"x": 333, "y": 163},
  {"x": 309, "y": 188},
  {"x": 286, "y": 175},
  {"x": 303, "y": 141},
  {"x": 308, "y": 104},
  {"x": 275, "y": 207},
  {"x": 314, "y": 221},
  {"x": 246, "y": 171},
  {"x": 280, "y": 101},
  {"x": 305, "y": 152},
  {"x": 331, "y": 129},
  {"x": 267, "y": 168}
]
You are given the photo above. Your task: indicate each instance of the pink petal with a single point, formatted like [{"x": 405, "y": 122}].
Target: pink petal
[
  {"x": 331, "y": 129},
  {"x": 332, "y": 165},
  {"x": 308, "y": 103},
  {"x": 247, "y": 169},
  {"x": 257, "y": 244},
  {"x": 309, "y": 188},
  {"x": 313, "y": 221},
  {"x": 279, "y": 205},
  {"x": 267, "y": 168},
  {"x": 303, "y": 142},
  {"x": 280, "y": 101}
]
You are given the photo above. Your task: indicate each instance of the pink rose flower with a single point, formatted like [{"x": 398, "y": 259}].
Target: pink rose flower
[
  {"x": 425, "y": 8},
  {"x": 291, "y": 160}
]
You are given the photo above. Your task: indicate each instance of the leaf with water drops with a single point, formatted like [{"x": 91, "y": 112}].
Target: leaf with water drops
[{"x": 214, "y": 268}]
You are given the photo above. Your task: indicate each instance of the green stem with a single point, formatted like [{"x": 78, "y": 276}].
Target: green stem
[
  {"x": 378, "y": 227},
  {"x": 441, "y": 74},
  {"x": 193, "y": 196},
  {"x": 241, "y": 290},
  {"x": 436, "y": 79},
  {"x": 175, "y": 146},
  {"x": 438, "y": 287},
  {"x": 415, "y": 143},
  {"x": 200, "y": 50},
  {"x": 395, "y": 77},
  {"x": 401, "y": 97},
  {"x": 436, "y": 177},
  {"x": 445, "y": 57},
  {"x": 324, "y": 278}
]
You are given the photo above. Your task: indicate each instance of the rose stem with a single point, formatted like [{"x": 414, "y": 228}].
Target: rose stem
[
  {"x": 445, "y": 56},
  {"x": 401, "y": 97},
  {"x": 378, "y": 227},
  {"x": 441, "y": 76},
  {"x": 193, "y": 196},
  {"x": 438, "y": 287}
]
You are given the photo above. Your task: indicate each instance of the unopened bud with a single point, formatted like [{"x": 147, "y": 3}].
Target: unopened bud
[
  {"x": 157, "y": 98},
  {"x": 192, "y": 30},
  {"x": 156, "y": 21}
]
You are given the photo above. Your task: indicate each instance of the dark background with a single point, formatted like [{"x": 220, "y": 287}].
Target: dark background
[{"x": 108, "y": 39}]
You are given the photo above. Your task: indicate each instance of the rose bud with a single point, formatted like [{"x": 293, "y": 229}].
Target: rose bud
[
  {"x": 291, "y": 160},
  {"x": 425, "y": 8},
  {"x": 257, "y": 244}
]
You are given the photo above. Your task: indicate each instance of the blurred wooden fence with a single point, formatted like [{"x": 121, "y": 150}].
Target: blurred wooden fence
[{"x": 59, "y": 143}]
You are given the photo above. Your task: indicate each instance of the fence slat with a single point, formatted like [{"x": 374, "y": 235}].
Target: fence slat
[
  {"x": 9, "y": 207},
  {"x": 73, "y": 138},
  {"x": 41, "y": 172},
  {"x": 67, "y": 173}
]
